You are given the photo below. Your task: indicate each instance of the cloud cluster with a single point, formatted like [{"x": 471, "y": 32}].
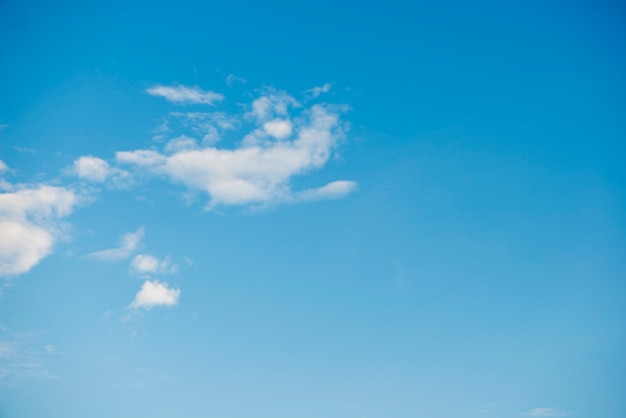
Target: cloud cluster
[
  {"x": 271, "y": 142},
  {"x": 153, "y": 292},
  {"x": 30, "y": 223},
  {"x": 279, "y": 140}
]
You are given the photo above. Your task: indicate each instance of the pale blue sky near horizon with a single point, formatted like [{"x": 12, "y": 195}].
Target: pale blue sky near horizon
[{"x": 332, "y": 209}]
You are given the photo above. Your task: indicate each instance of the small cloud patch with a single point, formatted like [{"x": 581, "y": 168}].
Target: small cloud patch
[
  {"x": 155, "y": 293},
  {"x": 143, "y": 264}
]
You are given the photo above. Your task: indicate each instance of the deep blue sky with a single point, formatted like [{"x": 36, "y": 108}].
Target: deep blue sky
[{"x": 450, "y": 242}]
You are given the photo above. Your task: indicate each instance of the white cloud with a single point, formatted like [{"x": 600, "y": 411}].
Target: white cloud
[
  {"x": 316, "y": 91},
  {"x": 185, "y": 95},
  {"x": 91, "y": 168},
  {"x": 3, "y": 166},
  {"x": 545, "y": 412},
  {"x": 285, "y": 141},
  {"x": 155, "y": 293},
  {"x": 96, "y": 170},
  {"x": 23, "y": 246},
  {"x": 255, "y": 172},
  {"x": 128, "y": 244},
  {"x": 279, "y": 129},
  {"x": 147, "y": 264},
  {"x": 30, "y": 223}
]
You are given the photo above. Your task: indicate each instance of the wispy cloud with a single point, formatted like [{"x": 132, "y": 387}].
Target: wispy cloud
[
  {"x": 24, "y": 149},
  {"x": 182, "y": 95},
  {"x": 155, "y": 293},
  {"x": 545, "y": 412},
  {"x": 333, "y": 190},
  {"x": 272, "y": 103},
  {"x": 128, "y": 245},
  {"x": 317, "y": 91},
  {"x": 232, "y": 78},
  {"x": 21, "y": 358},
  {"x": 30, "y": 223},
  {"x": 208, "y": 126}
]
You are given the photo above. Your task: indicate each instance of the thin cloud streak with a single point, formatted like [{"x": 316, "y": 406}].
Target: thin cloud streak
[
  {"x": 182, "y": 95},
  {"x": 545, "y": 412},
  {"x": 128, "y": 244}
]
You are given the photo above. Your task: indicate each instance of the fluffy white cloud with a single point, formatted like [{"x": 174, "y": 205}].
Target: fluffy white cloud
[
  {"x": 3, "y": 166},
  {"x": 279, "y": 129},
  {"x": 22, "y": 246},
  {"x": 155, "y": 293},
  {"x": 185, "y": 95},
  {"x": 147, "y": 264},
  {"x": 316, "y": 91},
  {"x": 128, "y": 244},
  {"x": 96, "y": 170},
  {"x": 545, "y": 412},
  {"x": 30, "y": 222},
  {"x": 91, "y": 168}
]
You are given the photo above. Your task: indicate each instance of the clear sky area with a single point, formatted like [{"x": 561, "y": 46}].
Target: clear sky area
[{"x": 330, "y": 209}]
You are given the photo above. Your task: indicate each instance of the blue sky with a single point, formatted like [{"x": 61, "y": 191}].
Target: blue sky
[{"x": 334, "y": 209}]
